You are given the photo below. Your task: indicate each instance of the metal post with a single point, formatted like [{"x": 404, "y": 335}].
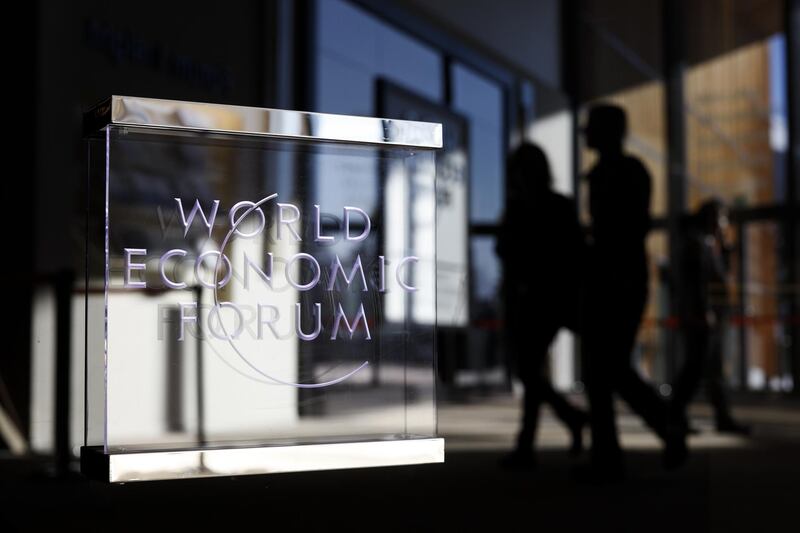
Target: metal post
[
  {"x": 304, "y": 54},
  {"x": 741, "y": 309},
  {"x": 674, "y": 63},
  {"x": 790, "y": 222},
  {"x": 571, "y": 69}
]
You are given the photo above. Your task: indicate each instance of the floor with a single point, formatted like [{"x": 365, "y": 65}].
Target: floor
[{"x": 729, "y": 484}]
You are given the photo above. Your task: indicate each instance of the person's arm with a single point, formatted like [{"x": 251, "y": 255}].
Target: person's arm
[{"x": 643, "y": 204}]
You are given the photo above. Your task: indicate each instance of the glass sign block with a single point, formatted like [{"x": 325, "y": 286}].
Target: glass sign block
[{"x": 261, "y": 292}]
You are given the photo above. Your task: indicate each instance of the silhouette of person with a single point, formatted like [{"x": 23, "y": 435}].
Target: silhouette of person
[
  {"x": 703, "y": 306},
  {"x": 541, "y": 245},
  {"x": 616, "y": 293}
]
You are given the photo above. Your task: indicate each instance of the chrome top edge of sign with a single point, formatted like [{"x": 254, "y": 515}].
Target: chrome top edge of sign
[{"x": 261, "y": 122}]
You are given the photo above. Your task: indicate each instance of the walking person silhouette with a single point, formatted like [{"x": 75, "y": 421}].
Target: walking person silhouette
[
  {"x": 704, "y": 305},
  {"x": 616, "y": 293},
  {"x": 541, "y": 245}
]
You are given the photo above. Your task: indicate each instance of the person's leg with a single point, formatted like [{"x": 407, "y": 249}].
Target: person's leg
[
  {"x": 536, "y": 389},
  {"x": 639, "y": 395},
  {"x": 696, "y": 348},
  {"x": 643, "y": 400},
  {"x": 606, "y": 455},
  {"x": 572, "y": 417},
  {"x": 620, "y": 340},
  {"x": 531, "y": 401},
  {"x": 715, "y": 387},
  {"x": 563, "y": 409},
  {"x": 568, "y": 313},
  {"x": 604, "y": 303},
  {"x": 714, "y": 379}
]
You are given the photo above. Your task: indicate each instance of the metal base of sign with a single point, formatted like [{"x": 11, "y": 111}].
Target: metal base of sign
[{"x": 185, "y": 464}]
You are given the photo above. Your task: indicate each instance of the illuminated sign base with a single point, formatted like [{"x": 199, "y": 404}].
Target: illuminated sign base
[{"x": 153, "y": 466}]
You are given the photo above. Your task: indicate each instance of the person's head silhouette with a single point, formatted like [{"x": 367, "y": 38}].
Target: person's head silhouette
[
  {"x": 606, "y": 128},
  {"x": 711, "y": 217},
  {"x": 528, "y": 171}
]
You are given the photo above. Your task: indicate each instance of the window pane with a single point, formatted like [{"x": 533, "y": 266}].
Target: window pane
[
  {"x": 354, "y": 49},
  {"x": 765, "y": 323},
  {"x": 481, "y": 101},
  {"x": 484, "y": 335},
  {"x": 736, "y": 125}
]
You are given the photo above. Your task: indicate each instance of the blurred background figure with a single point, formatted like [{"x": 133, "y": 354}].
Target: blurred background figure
[
  {"x": 616, "y": 293},
  {"x": 704, "y": 305},
  {"x": 542, "y": 292}
]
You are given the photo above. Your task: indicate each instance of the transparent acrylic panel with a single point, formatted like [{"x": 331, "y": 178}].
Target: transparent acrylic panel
[{"x": 247, "y": 305}]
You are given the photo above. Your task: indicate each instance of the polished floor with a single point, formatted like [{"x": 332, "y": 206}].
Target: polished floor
[{"x": 729, "y": 484}]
